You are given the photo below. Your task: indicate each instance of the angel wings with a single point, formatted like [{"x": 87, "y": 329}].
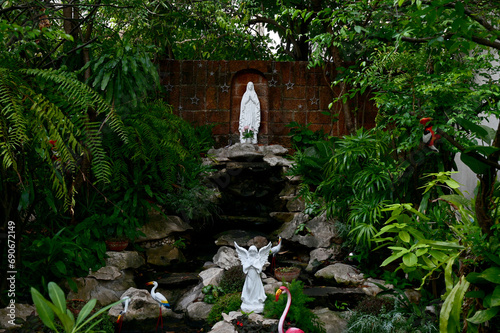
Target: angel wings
[{"x": 252, "y": 257}]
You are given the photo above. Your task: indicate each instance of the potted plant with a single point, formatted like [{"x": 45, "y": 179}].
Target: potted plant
[
  {"x": 115, "y": 230},
  {"x": 287, "y": 273},
  {"x": 247, "y": 134}
]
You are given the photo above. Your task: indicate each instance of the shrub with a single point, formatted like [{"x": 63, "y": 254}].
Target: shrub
[
  {"x": 224, "y": 304},
  {"x": 299, "y": 314},
  {"x": 233, "y": 280}
]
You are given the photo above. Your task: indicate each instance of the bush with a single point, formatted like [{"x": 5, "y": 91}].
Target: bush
[
  {"x": 299, "y": 314},
  {"x": 224, "y": 304},
  {"x": 233, "y": 280}
]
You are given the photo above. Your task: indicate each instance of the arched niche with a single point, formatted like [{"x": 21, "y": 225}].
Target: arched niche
[{"x": 238, "y": 88}]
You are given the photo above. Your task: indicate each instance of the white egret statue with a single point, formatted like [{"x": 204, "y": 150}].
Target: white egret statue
[
  {"x": 274, "y": 251},
  {"x": 162, "y": 301},
  {"x": 253, "y": 294},
  {"x": 119, "y": 321}
]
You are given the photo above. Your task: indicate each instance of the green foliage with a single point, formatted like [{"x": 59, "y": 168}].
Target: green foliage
[
  {"x": 123, "y": 73},
  {"x": 212, "y": 293},
  {"x": 224, "y": 304},
  {"x": 388, "y": 322},
  {"x": 65, "y": 255},
  {"x": 298, "y": 313},
  {"x": 232, "y": 280},
  {"x": 303, "y": 137},
  {"x": 48, "y": 311}
]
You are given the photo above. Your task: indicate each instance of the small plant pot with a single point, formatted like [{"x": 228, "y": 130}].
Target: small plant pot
[
  {"x": 287, "y": 273},
  {"x": 116, "y": 245}
]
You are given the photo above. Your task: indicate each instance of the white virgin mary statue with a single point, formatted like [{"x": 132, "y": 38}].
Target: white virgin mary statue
[
  {"x": 253, "y": 294},
  {"x": 249, "y": 115}
]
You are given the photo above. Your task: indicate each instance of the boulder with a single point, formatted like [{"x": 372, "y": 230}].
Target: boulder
[
  {"x": 320, "y": 255},
  {"x": 199, "y": 310},
  {"x": 108, "y": 273},
  {"x": 212, "y": 276},
  {"x": 10, "y": 315},
  {"x": 124, "y": 259},
  {"x": 371, "y": 286},
  {"x": 332, "y": 321},
  {"x": 161, "y": 225},
  {"x": 223, "y": 327},
  {"x": 241, "y": 237},
  {"x": 226, "y": 258},
  {"x": 341, "y": 273},
  {"x": 243, "y": 152},
  {"x": 193, "y": 295},
  {"x": 104, "y": 291},
  {"x": 272, "y": 149},
  {"x": 164, "y": 255},
  {"x": 320, "y": 231},
  {"x": 258, "y": 241},
  {"x": 274, "y": 160},
  {"x": 294, "y": 204}
]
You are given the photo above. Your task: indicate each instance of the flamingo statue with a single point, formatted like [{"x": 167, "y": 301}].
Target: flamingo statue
[
  {"x": 283, "y": 316},
  {"x": 274, "y": 251},
  {"x": 119, "y": 321},
  {"x": 162, "y": 301}
]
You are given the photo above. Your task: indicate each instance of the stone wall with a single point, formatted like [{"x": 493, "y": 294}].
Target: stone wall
[{"x": 209, "y": 92}]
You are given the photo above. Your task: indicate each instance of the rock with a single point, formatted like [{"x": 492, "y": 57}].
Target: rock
[
  {"x": 322, "y": 231},
  {"x": 283, "y": 217},
  {"x": 258, "y": 241},
  {"x": 104, "y": 291},
  {"x": 124, "y": 259},
  {"x": 332, "y": 322},
  {"x": 107, "y": 273},
  {"x": 179, "y": 279},
  {"x": 413, "y": 295},
  {"x": 9, "y": 314},
  {"x": 226, "y": 258},
  {"x": 273, "y": 149},
  {"x": 141, "y": 307},
  {"x": 271, "y": 285},
  {"x": 274, "y": 160},
  {"x": 211, "y": 276},
  {"x": 290, "y": 190},
  {"x": 199, "y": 310},
  {"x": 227, "y": 238},
  {"x": 295, "y": 204},
  {"x": 341, "y": 273},
  {"x": 243, "y": 152},
  {"x": 190, "y": 297},
  {"x": 161, "y": 225},
  {"x": 371, "y": 288},
  {"x": 164, "y": 255},
  {"x": 223, "y": 327},
  {"x": 218, "y": 155},
  {"x": 318, "y": 256}
]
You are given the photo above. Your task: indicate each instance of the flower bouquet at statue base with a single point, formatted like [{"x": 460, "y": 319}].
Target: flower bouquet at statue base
[{"x": 247, "y": 135}]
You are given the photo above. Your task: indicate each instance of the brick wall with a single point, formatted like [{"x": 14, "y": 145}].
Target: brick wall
[{"x": 204, "y": 92}]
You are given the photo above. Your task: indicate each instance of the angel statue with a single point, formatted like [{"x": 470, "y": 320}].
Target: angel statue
[{"x": 253, "y": 295}]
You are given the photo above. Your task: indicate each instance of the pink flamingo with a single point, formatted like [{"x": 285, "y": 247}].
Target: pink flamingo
[{"x": 283, "y": 316}]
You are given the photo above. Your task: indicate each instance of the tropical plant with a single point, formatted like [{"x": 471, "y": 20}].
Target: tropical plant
[{"x": 47, "y": 311}]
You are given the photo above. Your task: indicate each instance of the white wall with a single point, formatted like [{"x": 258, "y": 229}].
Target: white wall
[{"x": 465, "y": 176}]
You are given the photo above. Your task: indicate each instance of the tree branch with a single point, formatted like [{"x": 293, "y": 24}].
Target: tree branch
[{"x": 475, "y": 155}]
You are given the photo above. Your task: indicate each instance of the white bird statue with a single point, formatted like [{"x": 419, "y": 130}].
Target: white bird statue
[
  {"x": 162, "y": 301},
  {"x": 285, "y": 312},
  {"x": 119, "y": 321},
  {"x": 274, "y": 251}
]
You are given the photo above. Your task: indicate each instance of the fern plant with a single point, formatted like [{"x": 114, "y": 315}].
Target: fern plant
[{"x": 45, "y": 128}]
